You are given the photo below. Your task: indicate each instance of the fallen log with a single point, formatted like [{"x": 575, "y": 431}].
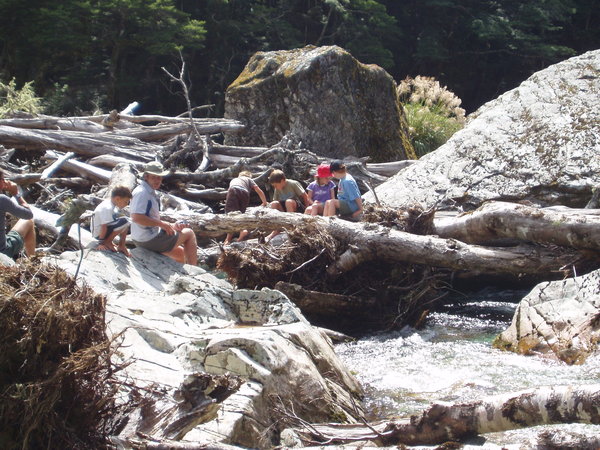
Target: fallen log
[
  {"x": 364, "y": 242},
  {"x": 86, "y": 144},
  {"x": 122, "y": 175},
  {"x": 112, "y": 160},
  {"x": 498, "y": 220},
  {"x": 444, "y": 422},
  {"x": 49, "y": 171},
  {"x": 54, "y": 123},
  {"x": 81, "y": 168}
]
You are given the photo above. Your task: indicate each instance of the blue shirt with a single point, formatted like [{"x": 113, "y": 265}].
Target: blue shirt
[{"x": 348, "y": 191}]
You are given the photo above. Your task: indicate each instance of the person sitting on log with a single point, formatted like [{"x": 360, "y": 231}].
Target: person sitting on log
[
  {"x": 320, "y": 190},
  {"x": 22, "y": 234},
  {"x": 289, "y": 196},
  {"x": 238, "y": 198},
  {"x": 108, "y": 222},
  {"x": 349, "y": 202},
  {"x": 147, "y": 229}
]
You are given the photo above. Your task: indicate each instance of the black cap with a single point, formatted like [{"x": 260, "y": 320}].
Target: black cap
[{"x": 336, "y": 165}]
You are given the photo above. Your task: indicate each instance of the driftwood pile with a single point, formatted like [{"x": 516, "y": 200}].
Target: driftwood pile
[{"x": 387, "y": 269}]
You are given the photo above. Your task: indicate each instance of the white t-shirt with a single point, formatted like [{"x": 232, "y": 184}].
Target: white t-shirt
[
  {"x": 105, "y": 213},
  {"x": 144, "y": 201}
]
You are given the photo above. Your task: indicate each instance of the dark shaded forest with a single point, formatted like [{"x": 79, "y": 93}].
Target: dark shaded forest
[{"x": 96, "y": 55}]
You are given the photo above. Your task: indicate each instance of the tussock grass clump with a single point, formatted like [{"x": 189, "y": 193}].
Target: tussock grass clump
[
  {"x": 56, "y": 376},
  {"x": 432, "y": 111}
]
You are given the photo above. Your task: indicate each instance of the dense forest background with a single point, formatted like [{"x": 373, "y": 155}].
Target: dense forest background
[{"x": 86, "y": 55}]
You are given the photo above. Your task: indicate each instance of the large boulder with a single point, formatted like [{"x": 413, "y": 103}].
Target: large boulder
[
  {"x": 179, "y": 321},
  {"x": 539, "y": 142},
  {"x": 558, "y": 318},
  {"x": 334, "y": 104}
]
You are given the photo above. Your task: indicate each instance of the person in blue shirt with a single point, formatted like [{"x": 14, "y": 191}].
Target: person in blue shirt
[
  {"x": 22, "y": 234},
  {"x": 349, "y": 202}
]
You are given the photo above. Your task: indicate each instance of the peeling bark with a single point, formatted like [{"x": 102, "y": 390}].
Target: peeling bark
[{"x": 444, "y": 422}]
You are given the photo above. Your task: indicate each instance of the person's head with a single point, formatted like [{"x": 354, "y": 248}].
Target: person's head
[
  {"x": 154, "y": 173},
  {"x": 277, "y": 179},
  {"x": 120, "y": 196},
  {"x": 338, "y": 168},
  {"x": 323, "y": 174},
  {"x": 245, "y": 173}
]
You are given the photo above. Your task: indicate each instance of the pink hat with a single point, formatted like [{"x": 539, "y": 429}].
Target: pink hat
[{"x": 323, "y": 171}]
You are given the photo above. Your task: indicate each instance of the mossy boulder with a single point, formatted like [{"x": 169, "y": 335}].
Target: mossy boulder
[{"x": 336, "y": 105}]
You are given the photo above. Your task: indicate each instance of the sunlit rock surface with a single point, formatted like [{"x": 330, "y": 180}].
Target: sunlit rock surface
[
  {"x": 539, "y": 142},
  {"x": 180, "y": 320},
  {"x": 334, "y": 104},
  {"x": 559, "y": 318}
]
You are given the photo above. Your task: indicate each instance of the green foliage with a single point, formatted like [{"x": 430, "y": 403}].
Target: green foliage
[
  {"x": 13, "y": 99},
  {"x": 429, "y": 127},
  {"x": 433, "y": 112},
  {"x": 109, "y": 52}
]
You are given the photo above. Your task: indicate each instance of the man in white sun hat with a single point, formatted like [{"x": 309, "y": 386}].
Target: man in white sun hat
[{"x": 149, "y": 231}]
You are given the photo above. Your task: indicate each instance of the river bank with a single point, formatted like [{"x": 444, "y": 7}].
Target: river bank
[{"x": 451, "y": 359}]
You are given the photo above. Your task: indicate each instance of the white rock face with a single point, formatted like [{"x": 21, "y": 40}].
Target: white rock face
[
  {"x": 539, "y": 142},
  {"x": 180, "y": 320},
  {"x": 559, "y": 318}
]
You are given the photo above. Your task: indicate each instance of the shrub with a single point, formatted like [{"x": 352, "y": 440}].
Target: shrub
[
  {"x": 13, "y": 100},
  {"x": 433, "y": 112}
]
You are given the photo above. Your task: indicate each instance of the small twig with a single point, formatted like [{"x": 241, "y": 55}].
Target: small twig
[{"x": 305, "y": 263}]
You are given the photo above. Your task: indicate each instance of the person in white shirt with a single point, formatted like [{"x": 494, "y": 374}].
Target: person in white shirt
[
  {"x": 108, "y": 221},
  {"x": 148, "y": 230}
]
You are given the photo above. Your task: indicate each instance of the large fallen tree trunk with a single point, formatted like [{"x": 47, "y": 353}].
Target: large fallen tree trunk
[
  {"x": 496, "y": 220},
  {"x": 87, "y": 144},
  {"x": 445, "y": 422},
  {"x": 364, "y": 242}
]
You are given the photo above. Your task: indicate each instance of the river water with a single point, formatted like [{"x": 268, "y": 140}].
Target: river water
[{"x": 451, "y": 359}]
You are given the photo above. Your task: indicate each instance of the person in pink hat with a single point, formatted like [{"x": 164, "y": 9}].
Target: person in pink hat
[{"x": 320, "y": 190}]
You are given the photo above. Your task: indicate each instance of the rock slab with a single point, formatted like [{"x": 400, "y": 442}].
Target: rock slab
[
  {"x": 558, "y": 318},
  {"x": 539, "y": 142},
  {"x": 178, "y": 321}
]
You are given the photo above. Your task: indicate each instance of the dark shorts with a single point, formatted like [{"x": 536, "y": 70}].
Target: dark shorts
[
  {"x": 237, "y": 200},
  {"x": 14, "y": 244},
  {"x": 120, "y": 225},
  {"x": 161, "y": 243},
  {"x": 299, "y": 205},
  {"x": 344, "y": 208}
]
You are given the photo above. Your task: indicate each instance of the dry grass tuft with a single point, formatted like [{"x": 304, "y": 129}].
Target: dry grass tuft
[{"x": 57, "y": 382}]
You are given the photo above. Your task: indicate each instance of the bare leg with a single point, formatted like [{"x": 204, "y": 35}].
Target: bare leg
[
  {"x": 243, "y": 235},
  {"x": 26, "y": 229},
  {"x": 291, "y": 205},
  {"x": 228, "y": 239},
  {"x": 177, "y": 254},
  {"x": 187, "y": 240},
  {"x": 330, "y": 208}
]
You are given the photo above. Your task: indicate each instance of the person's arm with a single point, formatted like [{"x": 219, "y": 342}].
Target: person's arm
[
  {"x": 332, "y": 193},
  {"x": 305, "y": 200},
  {"x": 17, "y": 207},
  {"x": 309, "y": 194},
  {"x": 261, "y": 194},
  {"x": 145, "y": 221}
]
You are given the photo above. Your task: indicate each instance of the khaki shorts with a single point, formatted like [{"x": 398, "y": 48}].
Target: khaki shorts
[{"x": 161, "y": 243}]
